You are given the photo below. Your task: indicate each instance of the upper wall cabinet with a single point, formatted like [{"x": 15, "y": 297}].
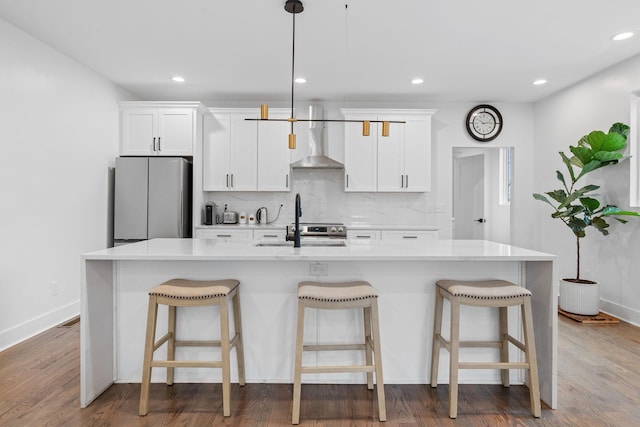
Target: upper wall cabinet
[
  {"x": 244, "y": 155},
  {"x": 400, "y": 162},
  {"x": 159, "y": 128}
]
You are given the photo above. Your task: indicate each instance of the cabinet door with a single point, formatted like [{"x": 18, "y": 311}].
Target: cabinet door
[
  {"x": 360, "y": 157},
  {"x": 226, "y": 235},
  {"x": 269, "y": 234},
  {"x": 175, "y": 132},
  {"x": 391, "y": 155},
  {"x": 138, "y": 131},
  {"x": 363, "y": 235},
  {"x": 409, "y": 236},
  {"x": 274, "y": 156},
  {"x": 215, "y": 153},
  {"x": 417, "y": 155},
  {"x": 243, "y": 154}
]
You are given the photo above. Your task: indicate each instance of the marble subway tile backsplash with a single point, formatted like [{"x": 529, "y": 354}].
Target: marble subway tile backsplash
[{"x": 324, "y": 200}]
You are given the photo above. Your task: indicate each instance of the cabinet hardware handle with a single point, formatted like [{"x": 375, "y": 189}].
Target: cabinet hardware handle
[
  {"x": 154, "y": 144},
  {"x": 223, "y": 235},
  {"x": 227, "y": 180},
  {"x": 159, "y": 149},
  {"x": 347, "y": 180},
  {"x": 363, "y": 237},
  {"x": 401, "y": 181},
  {"x": 270, "y": 235},
  {"x": 409, "y": 237},
  {"x": 287, "y": 182},
  {"x": 406, "y": 181},
  {"x": 231, "y": 180}
]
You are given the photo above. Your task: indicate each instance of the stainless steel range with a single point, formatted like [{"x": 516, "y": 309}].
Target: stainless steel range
[{"x": 318, "y": 230}]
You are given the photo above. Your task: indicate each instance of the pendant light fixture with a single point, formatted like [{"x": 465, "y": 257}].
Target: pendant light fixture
[{"x": 294, "y": 7}]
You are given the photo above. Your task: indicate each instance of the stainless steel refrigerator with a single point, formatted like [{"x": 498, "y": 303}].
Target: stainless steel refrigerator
[{"x": 152, "y": 198}]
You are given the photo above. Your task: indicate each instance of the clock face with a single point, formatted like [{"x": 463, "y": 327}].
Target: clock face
[{"x": 484, "y": 123}]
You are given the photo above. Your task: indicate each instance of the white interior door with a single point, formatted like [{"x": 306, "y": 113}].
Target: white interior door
[{"x": 468, "y": 197}]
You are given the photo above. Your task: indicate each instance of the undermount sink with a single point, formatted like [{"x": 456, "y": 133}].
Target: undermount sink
[{"x": 316, "y": 243}]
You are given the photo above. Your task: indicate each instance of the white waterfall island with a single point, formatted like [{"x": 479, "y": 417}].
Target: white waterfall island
[{"x": 116, "y": 282}]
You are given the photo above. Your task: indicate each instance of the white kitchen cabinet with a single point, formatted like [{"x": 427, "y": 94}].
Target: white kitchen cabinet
[
  {"x": 409, "y": 235},
  {"x": 274, "y": 156},
  {"x": 244, "y": 155},
  {"x": 227, "y": 235},
  {"x": 269, "y": 234},
  {"x": 363, "y": 234},
  {"x": 399, "y": 162},
  {"x": 229, "y": 152},
  {"x": 159, "y": 128}
]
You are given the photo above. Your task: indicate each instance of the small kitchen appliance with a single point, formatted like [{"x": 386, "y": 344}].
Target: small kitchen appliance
[
  {"x": 229, "y": 217},
  {"x": 210, "y": 214},
  {"x": 262, "y": 216},
  {"x": 319, "y": 230}
]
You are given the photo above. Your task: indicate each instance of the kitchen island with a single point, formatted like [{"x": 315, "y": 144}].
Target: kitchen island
[{"x": 116, "y": 282}]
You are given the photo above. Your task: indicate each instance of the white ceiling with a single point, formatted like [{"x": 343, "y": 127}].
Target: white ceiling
[{"x": 465, "y": 50}]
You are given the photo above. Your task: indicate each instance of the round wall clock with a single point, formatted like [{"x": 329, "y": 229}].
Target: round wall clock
[{"x": 484, "y": 123}]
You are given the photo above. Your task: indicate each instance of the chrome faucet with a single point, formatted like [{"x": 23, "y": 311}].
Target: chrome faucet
[{"x": 296, "y": 231}]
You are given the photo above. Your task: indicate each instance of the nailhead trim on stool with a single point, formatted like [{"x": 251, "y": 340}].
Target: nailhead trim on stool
[
  {"x": 332, "y": 296},
  {"x": 484, "y": 293},
  {"x": 193, "y": 293}
]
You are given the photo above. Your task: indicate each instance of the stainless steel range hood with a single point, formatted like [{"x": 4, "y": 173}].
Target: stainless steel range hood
[{"x": 317, "y": 145}]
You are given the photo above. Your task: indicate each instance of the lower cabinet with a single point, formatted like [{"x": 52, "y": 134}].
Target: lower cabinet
[
  {"x": 269, "y": 234},
  {"x": 363, "y": 234},
  {"x": 224, "y": 234},
  {"x": 409, "y": 235}
]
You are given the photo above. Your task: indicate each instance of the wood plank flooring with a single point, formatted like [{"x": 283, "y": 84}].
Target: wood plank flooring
[{"x": 599, "y": 374}]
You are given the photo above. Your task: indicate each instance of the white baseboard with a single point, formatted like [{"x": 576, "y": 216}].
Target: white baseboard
[
  {"x": 627, "y": 314},
  {"x": 30, "y": 328}
]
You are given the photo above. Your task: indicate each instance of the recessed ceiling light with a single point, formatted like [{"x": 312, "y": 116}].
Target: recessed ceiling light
[
  {"x": 300, "y": 80},
  {"x": 417, "y": 81},
  {"x": 623, "y": 36},
  {"x": 539, "y": 82},
  {"x": 178, "y": 79}
]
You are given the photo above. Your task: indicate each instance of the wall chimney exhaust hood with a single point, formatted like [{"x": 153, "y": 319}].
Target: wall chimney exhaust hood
[{"x": 317, "y": 159}]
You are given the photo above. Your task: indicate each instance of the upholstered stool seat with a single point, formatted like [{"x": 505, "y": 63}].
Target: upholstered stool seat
[
  {"x": 333, "y": 296},
  {"x": 193, "y": 293},
  {"x": 487, "y": 293}
]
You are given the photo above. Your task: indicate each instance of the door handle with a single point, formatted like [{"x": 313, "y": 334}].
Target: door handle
[
  {"x": 480, "y": 220},
  {"x": 154, "y": 144},
  {"x": 401, "y": 181},
  {"x": 159, "y": 149},
  {"x": 406, "y": 181}
]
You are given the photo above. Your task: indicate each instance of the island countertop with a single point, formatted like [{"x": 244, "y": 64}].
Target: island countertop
[
  {"x": 212, "y": 249},
  {"x": 116, "y": 282}
]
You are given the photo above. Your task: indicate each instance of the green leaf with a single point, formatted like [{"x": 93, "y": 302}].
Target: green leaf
[
  {"x": 613, "y": 142},
  {"x": 559, "y": 196},
  {"x": 600, "y": 225},
  {"x": 567, "y": 162},
  {"x": 589, "y": 203},
  {"x": 614, "y": 210},
  {"x": 590, "y": 167},
  {"x": 608, "y": 156},
  {"x": 568, "y": 212},
  {"x": 620, "y": 128},
  {"x": 542, "y": 199},
  {"x": 624, "y": 221},
  {"x": 596, "y": 140},
  {"x": 577, "y": 194},
  {"x": 561, "y": 178},
  {"x": 577, "y": 226},
  {"x": 583, "y": 153}
]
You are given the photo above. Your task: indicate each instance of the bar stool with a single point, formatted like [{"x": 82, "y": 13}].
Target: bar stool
[
  {"x": 338, "y": 296},
  {"x": 490, "y": 293},
  {"x": 193, "y": 293}
]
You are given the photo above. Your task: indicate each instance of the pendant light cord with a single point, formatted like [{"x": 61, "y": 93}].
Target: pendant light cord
[{"x": 293, "y": 64}]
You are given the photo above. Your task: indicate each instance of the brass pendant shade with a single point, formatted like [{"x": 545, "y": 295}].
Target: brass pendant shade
[{"x": 294, "y": 7}]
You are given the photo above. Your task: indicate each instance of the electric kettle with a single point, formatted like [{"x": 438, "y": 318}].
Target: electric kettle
[{"x": 262, "y": 215}]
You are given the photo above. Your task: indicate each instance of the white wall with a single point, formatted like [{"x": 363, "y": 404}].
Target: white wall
[
  {"x": 322, "y": 191},
  {"x": 560, "y": 121},
  {"x": 59, "y": 136}
]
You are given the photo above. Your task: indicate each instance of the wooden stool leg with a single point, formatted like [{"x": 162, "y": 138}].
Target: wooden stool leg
[
  {"x": 375, "y": 325},
  {"x": 504, "y": 350},
  {"x": 225, "y": 352},
  {"x": 435, "y": 345},
  {"x": 454, "y": 344},
  {"x": 148, "y": 355},
  {"x": 171, "y": 348},
  {"x": 237, "y": 324},
  {"x": 297, "y": 370},
  {"x": 530, "y": 354},
  {"x": 368, "y": 351}
]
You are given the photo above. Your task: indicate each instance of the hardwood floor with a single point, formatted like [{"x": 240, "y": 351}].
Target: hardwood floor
[{"x": 599, "y": 373}]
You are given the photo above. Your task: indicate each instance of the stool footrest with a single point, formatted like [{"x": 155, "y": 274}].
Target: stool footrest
[
  {"x": 185, "y": 364},
  {"x": 493, "y": 365},
  {"x": 336, "y": 369},
  {"x": 332, "y": 347}
]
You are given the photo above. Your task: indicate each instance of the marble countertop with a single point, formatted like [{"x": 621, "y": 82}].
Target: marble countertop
[
  {"x": 354, "y": 226},
  {"x": 376, "y": 250}
]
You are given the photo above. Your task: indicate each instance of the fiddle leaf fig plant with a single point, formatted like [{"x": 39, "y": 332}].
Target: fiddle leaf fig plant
[{"x": 579, "y": 207}]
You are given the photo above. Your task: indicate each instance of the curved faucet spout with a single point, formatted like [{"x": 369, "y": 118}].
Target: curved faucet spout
[{"x": 296, "y": 241}]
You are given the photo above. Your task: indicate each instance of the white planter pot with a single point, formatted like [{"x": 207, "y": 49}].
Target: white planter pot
[{"x": 580, "y": 298}]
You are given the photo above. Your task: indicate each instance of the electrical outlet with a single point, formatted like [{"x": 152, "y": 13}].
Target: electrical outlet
[
  {"x": 54, "y": 287},
  {"x": 318, "y": 269}
]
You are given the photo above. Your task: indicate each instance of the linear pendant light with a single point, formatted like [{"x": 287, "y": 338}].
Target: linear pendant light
[{"x": 294, "y": 7}]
